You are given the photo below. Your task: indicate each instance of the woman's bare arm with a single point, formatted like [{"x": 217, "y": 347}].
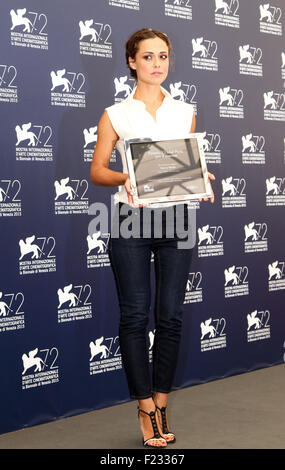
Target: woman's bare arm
[{"x": 100, "y": 173}]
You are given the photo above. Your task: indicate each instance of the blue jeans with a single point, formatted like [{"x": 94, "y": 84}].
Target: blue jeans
[{"x": 131, "y": 262}]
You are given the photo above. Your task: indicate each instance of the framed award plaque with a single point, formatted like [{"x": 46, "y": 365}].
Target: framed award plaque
[{"x": 167, "y": 170}]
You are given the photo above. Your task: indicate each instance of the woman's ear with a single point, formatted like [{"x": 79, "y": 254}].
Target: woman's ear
[{"x": 132, "y": 63}]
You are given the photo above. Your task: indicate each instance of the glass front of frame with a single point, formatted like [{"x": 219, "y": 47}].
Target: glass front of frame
[{"x": 167, "y": 170}]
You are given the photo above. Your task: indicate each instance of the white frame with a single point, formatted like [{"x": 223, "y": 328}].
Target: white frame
[{"x": 171, "y": 198}]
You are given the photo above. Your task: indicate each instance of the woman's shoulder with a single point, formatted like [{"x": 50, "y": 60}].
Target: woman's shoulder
[
  {"x": 182, "y": 105},
  {"x": 116, "y": 113},
  {"x": 117, "y": 106}
]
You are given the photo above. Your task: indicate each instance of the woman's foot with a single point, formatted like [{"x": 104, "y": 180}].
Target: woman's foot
[
  {"x": 148, "y": 424},
  {"x": 160, "y": 400}
]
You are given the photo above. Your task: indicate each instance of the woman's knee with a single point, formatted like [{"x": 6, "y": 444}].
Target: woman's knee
[{"x": 135, "y": 318}]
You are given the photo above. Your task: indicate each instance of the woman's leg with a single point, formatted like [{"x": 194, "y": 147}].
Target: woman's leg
[
  {"x": 130, "y": 261},
  {"x": 171, "y": 270}
]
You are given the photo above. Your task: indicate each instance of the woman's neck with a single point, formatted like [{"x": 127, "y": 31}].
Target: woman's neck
[{"x": 149, "y": 94}]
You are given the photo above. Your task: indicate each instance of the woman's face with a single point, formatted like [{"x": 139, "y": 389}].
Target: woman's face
[{"x": 151, "y": 61}]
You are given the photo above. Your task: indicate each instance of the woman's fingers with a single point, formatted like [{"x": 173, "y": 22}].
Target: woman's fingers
[
  {"x": 212, "y": 197},
  {"x": 130, "y": 193},
  {"x": 211, "y": 177},
  {"x": 128, "y": 186}
]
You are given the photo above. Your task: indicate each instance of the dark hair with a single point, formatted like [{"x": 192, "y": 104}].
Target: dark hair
[{"x": 132, "y": 45}]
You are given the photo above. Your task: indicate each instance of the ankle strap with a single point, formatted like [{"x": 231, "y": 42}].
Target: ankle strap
[
  {"x": 151, "y": 413},
  {"x": 163, "y": 408}
]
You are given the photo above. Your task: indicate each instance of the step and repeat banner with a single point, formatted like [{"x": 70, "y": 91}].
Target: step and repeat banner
[{"x": 61, "y": 64}]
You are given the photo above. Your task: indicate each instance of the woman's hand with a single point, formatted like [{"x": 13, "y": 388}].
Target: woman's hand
[
  {"x": 212, "y": 198},
  {"x": 130, "y": 193}
]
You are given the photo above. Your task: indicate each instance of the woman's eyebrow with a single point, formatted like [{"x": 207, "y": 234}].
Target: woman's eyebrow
[{"x": 150, "y": 52}]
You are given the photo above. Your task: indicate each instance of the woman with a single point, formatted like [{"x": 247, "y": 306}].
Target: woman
[{"x": 148, "y": 112}]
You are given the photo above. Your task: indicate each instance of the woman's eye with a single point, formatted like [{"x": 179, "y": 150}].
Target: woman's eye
[{"x": 149, "y": 57}]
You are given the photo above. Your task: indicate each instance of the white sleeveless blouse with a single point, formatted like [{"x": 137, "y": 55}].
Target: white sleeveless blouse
[{"x": 131, "y": 120}]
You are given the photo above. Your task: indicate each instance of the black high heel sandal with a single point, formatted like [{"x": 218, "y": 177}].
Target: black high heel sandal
[
  {"x": 156, "y": 436},
  {"x": 165, "y": 429}
]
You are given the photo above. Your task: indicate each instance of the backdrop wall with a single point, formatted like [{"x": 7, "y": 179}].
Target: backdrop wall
[{"x": 61, "y": 64}]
